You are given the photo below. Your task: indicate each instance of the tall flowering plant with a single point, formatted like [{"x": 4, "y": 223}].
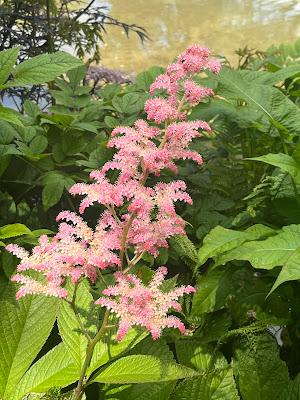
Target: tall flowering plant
[{"x": 137, "y": 218}]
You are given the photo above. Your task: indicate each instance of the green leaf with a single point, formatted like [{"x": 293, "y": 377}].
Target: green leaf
[
  {"x": 38, "y": 144},
  {"x": 8, "y": 59},
  {"x": 54, "y": 369},
  {"x": 284, "y": 162},
  {"x": 290, "y": 270},
  {"x": 260, "y": 373},
  {"x": 24, "y": 328},
  {"x": 293, "y": 390},
  {"x": 213, "y": 386},
  {"x": 199, "y": 357},
  {"x": 271, "y": 78},
  {"x": 281, "y": 111},
  {"x": 31, "y": 109},
  {"x": 212, "y": 291},
  {"x": 219, "y": 240},
  {"x": 109, "y": 347},
  {"x": 142, "y": 369},
  {"x": 42, "y": 68},
  {"x": 52, "y": 193},
  {"x": 184, "y": 247},
  {"x": 69, "y": 328},
  {"x": 146, "y": 391},
  {"x": 13, "y": 230},
  {"x": 269, "y": 253},
  {"x": 9, "y": 115}
]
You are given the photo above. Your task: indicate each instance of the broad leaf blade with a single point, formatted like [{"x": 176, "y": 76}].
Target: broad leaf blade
[
  {"x": 216, "y": 385},
  {"x": 269, "y": 253},
  {"x": 9, "y": 115},
  {"x": 69, "y": 328},
  {"x": 56, "y": 368},
  {"x": 142, "y": 369},
  {"x": 8, "y": 59},
  {"x": 281, "y": 111},
  {"x": 24, "y": 328},
  {"x": 284, "y": 162},
  {"x": 42, "y": 68},
  {"x": 260, "y": 373},
  {"x": 13, "y": 230}
]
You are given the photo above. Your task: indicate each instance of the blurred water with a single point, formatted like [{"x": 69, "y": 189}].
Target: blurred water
[{"x": 223, "y": 25}]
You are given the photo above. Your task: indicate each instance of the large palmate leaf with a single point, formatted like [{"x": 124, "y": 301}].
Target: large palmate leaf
[
  {"x": 142, "y": 369},
  {"x": 260, "y": 373},
  {"x": 42, "y": 68},
  {"x": 282, "y": 161},
  {"x": 56, "y": 368},
  {"x": 24, "y": 328},
  {"x": 216, "y": 385},
  {"x": 270, "y": 101}
]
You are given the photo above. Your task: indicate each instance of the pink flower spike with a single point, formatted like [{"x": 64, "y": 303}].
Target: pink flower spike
[
  {"x": 146, "y": 306},
  {"x": 159, "y": 110}
]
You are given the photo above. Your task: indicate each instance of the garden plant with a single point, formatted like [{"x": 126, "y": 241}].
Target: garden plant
[{"x": 92, "y": 311}]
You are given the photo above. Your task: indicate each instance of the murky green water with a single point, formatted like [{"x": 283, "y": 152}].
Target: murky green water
[{"x": 223, "y": 25}]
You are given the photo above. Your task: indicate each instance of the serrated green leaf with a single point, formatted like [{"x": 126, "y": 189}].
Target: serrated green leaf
[
  {"x": 24, "y": 328},
  {"x": 212, "y": 291},
  {"x": 293, "y": 390},
  {"x": 142, "y": 369},
  {"x": 146, "y": 391},
  {"x": 42, "y": 68},
  {"x": 69, "y": 328},
  {"x": 54, "y": 369},
  {"x": 260, "y": 373},
  {"x": 213, "y": 386},
  {"x": 290, "y": 270},
  {"x": 269, "y": 253},
  {"x": 220, "y": 240},
  {"x": 184, "y": 247},
  {"x": 278, "y": 108},
  {"x": 8, "y": 59},
  {"x": 199, "y": 357},
  {"x": 271, "y": 78}
]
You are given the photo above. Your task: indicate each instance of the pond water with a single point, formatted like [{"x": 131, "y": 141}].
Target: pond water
[{"x": 223, "y": 25}]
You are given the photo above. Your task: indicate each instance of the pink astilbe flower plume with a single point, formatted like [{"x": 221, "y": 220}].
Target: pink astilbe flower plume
[
  {"x": 146, "y": 306},
  {"x": 135, "y": 218}
]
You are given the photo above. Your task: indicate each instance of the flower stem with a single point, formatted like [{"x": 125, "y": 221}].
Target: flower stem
[{"x": 79, "y": 391}]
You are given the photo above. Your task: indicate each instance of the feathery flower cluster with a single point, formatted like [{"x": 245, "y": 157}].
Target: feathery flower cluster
[
  {"x": 78, "y": 251},
  {"x": 147, "y": 306}
]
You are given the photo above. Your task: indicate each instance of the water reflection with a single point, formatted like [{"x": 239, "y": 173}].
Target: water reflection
[{"x": 223, "y": 25}]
